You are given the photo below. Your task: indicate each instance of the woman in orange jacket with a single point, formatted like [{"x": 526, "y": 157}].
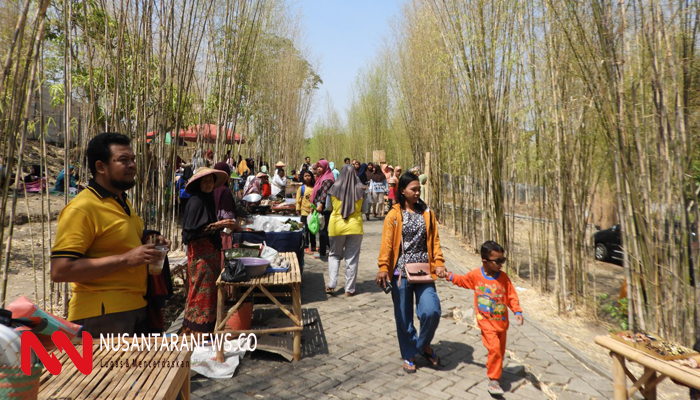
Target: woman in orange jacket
[{"x": 410, "y": 235}]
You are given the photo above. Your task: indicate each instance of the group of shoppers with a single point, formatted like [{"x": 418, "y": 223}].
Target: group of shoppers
[{"x": 102, "y": 250}]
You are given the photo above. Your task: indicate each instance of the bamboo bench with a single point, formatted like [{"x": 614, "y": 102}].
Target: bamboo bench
[
  {"x": 292, "y": 278},
  {"x": 125, "y": 380},
  {"x": 655, "y": 370}
]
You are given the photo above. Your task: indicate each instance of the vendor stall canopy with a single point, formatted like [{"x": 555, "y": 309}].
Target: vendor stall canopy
[{"x": 207, "y": 132}]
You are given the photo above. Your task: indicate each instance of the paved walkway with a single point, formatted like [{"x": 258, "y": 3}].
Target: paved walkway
[{"x": 351, "y": 351}]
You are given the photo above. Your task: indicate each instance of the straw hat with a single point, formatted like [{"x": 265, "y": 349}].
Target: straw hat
[
  {"x": 219, "y": 176},
  {"x": 261, "y": 175},
  {"x": 280, "y": 164}
]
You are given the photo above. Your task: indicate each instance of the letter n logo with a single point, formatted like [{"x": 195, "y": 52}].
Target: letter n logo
[{"x": 31, "y": 342}]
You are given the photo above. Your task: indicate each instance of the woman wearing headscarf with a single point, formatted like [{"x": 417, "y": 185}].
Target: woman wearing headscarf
[
  {"x": 345, "y": 228},
  {"x": 225, "y": 205},
  {"x": 335, "y": 171},
  {"x": 200, "y": 233},
  {"x": 34, "y": 175},
  {"x": 393, "y": 184},
  {"x": 254, "y": 184},
  {"x": 243, "y": 169},
  {"x": 388, "y": 171},
  {"x": 362, "y": 173},
  {"x": 60, "y": 179},
  {"x": 224, "y": 202},
  {"x": 323, "y": 184},
  {"x": 209, "y": 158},
  {"x": 423, "y": 179}
]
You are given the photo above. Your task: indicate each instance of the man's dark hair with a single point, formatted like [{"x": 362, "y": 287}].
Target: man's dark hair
[
  {"x": 98, "y": 149},
  {"x": 404, "y": 181},
  {"x": 488, "y": 247},
  {"x": 346, "y": 160},
  {"x": 308, "y": 158}
]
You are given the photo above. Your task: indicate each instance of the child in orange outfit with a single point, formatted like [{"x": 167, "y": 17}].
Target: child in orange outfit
[{"x": 493, "y": 291}]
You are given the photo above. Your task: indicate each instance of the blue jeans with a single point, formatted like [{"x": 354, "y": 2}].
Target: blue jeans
[{"x": 427, "y": 310}]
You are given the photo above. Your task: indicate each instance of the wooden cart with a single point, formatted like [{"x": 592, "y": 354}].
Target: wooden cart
[
  {"x": 292, "y": 278},
  {"x": 655, "y": 370},
  {"x": 149, "y": 375}
]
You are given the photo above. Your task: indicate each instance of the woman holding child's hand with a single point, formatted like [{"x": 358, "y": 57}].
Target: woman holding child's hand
[{"x": 410, "y": 235}]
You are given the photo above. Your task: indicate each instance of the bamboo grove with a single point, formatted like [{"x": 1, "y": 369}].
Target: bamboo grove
[
  {"x": 535, "y": 112},
  {"x": 140, "y": 67}
]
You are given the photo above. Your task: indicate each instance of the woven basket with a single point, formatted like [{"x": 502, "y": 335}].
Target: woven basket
[{"x": 14, "y": 384}]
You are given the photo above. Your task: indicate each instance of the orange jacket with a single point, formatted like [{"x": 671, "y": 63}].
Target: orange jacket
[{"x": 391, "y": 241}]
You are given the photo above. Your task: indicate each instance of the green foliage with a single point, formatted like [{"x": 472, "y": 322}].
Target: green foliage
[{"x": 615, "y": 310}]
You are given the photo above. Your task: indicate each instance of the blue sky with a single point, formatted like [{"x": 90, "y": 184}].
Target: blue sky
[{"x": 344, "y": 35}]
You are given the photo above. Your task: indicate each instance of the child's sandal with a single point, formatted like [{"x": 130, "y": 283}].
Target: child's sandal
[
  {"x": 495, "y": 388},
  {"x": 409, "y": 367}
]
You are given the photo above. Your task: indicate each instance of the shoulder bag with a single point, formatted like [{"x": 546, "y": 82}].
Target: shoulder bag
[{"x": 416, "y": 272}]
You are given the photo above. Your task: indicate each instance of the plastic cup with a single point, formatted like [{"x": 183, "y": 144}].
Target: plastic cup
[{"x": 156, "y": 267}]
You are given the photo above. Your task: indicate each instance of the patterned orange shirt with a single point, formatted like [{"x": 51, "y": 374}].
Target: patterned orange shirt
[{"x": 491, "y": 296}]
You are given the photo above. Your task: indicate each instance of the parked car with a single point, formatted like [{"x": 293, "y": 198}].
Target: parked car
[{"x": 608, "y": 243}]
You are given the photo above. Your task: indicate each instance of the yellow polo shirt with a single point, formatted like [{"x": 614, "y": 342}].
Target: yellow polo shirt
[{"x": 95, "y": 224}]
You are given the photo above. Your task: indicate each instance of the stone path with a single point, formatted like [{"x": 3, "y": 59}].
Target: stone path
[{"x": 351, "y": 350}]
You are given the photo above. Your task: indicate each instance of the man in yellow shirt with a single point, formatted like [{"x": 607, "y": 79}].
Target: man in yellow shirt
[{"x": 98, "y": 246}]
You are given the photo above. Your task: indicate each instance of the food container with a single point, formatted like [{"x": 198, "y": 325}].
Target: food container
[{"x": 255, "y": 266}]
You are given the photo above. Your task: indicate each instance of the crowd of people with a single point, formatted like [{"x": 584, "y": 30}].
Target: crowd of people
[{"x": 103, "y": 250}]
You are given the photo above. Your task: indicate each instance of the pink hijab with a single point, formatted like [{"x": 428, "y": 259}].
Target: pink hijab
[{"x": 326, "y": 174}]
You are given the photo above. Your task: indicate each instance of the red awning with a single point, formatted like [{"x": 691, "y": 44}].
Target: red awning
[{"x": 207, "y": 132}]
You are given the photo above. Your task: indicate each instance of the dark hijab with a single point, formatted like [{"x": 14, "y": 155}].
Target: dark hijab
[
  {"x": 377, "y": 176},
  {"x": 187, "y": 173},
  {"x": 362, "y": 173},
  {"x": 199, "y": 213}
]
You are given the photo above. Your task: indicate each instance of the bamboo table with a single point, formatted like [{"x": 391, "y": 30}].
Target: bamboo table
[
  {"x": 292, "y": 278},
  {"x": 655, "y": 370},
  {"x": 155, "y": 374}
]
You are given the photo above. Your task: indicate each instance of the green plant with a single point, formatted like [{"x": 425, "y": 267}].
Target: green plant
[{"x": 615, "y": 310}]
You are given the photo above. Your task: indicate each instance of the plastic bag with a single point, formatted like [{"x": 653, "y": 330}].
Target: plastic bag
[
  {"x": 313, "y": 222},
  {"x": 234, "y": 272},
  {"x": 269, "y": 253}
]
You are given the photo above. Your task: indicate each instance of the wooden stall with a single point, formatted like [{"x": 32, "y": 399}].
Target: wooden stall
[
  {"x": 148, "y": 374},
  {"x": 292, "y": 279},
  {"x": 655, "y": 370}
]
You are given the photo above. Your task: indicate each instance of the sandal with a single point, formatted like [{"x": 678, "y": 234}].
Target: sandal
[
  {"x": 409, "y": 367},
  {"x": 329, "y": 290},
  {"x": 495, "y": 388},
  {"x": 433, "y": 359}
]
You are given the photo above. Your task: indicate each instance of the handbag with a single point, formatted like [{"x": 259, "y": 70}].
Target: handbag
[{"x": 416, "y": 272}]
